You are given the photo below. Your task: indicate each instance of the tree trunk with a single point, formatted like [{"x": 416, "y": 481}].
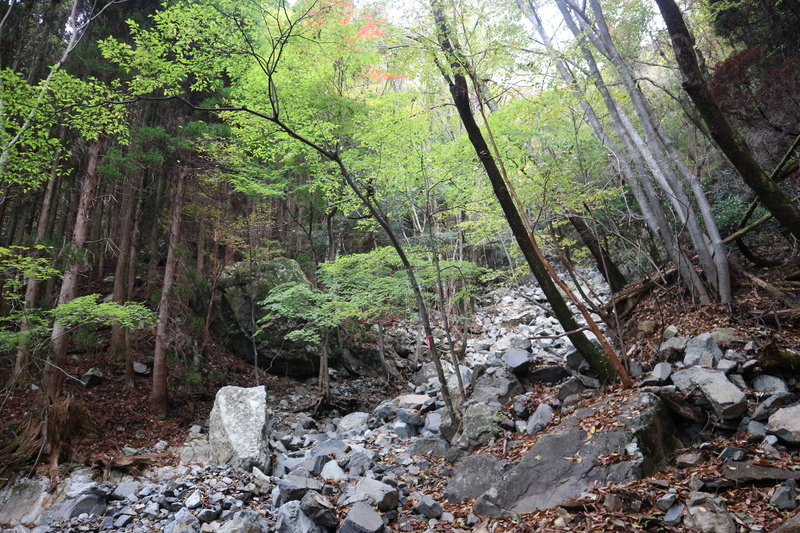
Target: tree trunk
[
  {"x": 159, "y": 396},
  {"x": 54, "y": 373},
  {"x": 23, "y": 357},
  {"x": 602, "y": 362},
  {"x": 613, "y": 276},
  {"x": 785, "y": 211},
  {"x": 120, "y": 294}
]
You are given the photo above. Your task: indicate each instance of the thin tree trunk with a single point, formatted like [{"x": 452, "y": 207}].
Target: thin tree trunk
[
  {"x": 612, "y": 274},
  {"x": 54, "y": 373},
  {"x": 159, "y": 396},
  {"x": 785, "y": 211},
  {"x": 23, "y": 357}
]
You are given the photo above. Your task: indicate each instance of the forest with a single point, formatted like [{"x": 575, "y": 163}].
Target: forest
[{"x": 385, "y": 162}]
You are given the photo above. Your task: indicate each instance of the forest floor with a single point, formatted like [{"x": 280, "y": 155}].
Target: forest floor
[{"x": 123, "y": 419}]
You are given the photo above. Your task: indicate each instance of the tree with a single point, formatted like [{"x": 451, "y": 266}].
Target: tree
[
  {"x": 456, "y": 71},
  {"x": 779, "y": 204}
]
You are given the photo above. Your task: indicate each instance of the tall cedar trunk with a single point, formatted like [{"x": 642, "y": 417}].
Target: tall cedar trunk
[
  {"x": 613, "y": 276},
  {"x": 131, "y": 280},
  {"x": 601, "y": 362},
  {"x": 23, "y": 357},
  {"x": 121, "y": 272},
  {"x": 785, "y": 211},
  {"x": 159, "y": 397},
  {"x": 54, "y": 374}
]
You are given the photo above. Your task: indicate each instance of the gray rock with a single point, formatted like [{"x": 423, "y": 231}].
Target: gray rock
[
  {"x": 125, "y": 490},
  {"x": 754, "y": 427},
  {"x": 699, "y": 345},
  {"x": 727, "y": 366},
  {"x": 352, "y": 424},
  {"x": 674, "y": 515},
  {"x": 359, "y": 463},
  {"x": 725, "y": 336},
  {"x": 478, "y": 427},
  {"x": 185, "y": 522},
  {"x": 385, "y": 411},
  {"x": 673, "y": 344},
  {"x": 362, "y": 519},
  {"x": 333, "y": 472},
  {"x": 428, "y": 507},
  {"x": 428, "y": 446},
  {"x": 245, "y": 522},
  {"x": 194, "y": 500},
  {"x": 466, "y": 484},
  {"x": 767, "y": 383},
  {"x": 292, "y": 519},
  {"x": 374, "y": 492},
  {"x": 539, "y": 420},
  {"x": 412, "y": 401},
  {"x": 665, "y": 502},
  {"x": 91, "y": 504},
  {"x": 771, "y": 405},
  {"x": 521, "y": 343},
  {"x": 410, "y": 416},
  {"x": 785, "y": 496},
  {"x": 319, "y": 509},
  {"x": 562, "y": 463},
  {"x": 572, "y": 386},
  {"x": 403, "y": 430},
  {"x": 669, "y": 332},
  {"x": 497, "y": 385},
  {"x": 576, "y": 362},
  {"x": 661, "y": 372},
  {"x": 785, "y": 424},
  {"x": 294, "y": 487},
  {"x": 92, "y": 377},
  {"x": 433, "y": 422},
  {"x": 708, "y": 514},
  {"x": 518, "y": 360},
  {"x": 24, "y": 500},
  {"x": 245, "y": 284},
  {"x": 239, "y": 428},
  {"x": 725, "y": 398},
  {"x": 141, "y": 368}
]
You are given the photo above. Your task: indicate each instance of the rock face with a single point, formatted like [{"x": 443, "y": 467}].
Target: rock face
[
  {"x": 564, "y": 462},
  {"x": 241, "y": 290},
  {"x": 239, "y": 428}
]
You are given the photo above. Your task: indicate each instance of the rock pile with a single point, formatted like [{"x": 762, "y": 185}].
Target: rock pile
[{"x": 247, "y": 471}]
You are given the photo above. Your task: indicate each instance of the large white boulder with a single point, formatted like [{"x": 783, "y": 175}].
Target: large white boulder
[{"x": 239, "y": 428}]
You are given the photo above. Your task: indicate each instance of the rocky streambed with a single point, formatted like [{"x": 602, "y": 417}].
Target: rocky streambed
[{"x": 540, "y": 442}]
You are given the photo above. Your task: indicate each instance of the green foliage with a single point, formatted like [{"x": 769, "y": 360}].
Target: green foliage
[
  {"x": 18, "y": 264},
  {"x": 88, "y": 309}
]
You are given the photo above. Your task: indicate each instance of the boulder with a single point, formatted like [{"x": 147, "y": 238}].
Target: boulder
[
  {"x": 465, "y": 484},
  {"x": 785, "y": 424},
  {"x": 245, "y": 522},
  {"x": 725, "y": 398},
  {"x": 478, "y": 427},
  {"x": 539, "y": 420},
  {"x": 661, "y": 372},
  {"x": 496, "y": 385},
  {"x": 243, "y": 285},
  {"x": 352, "y": 424},
  {"x": 700, "y": 345},
  {"x": 239, "y": 428},
  {"x": 319, "y": 509},
  {"x": 564, "y": 462},
  {"x": 292, "y": 519},
  {"x": 294, "y": 487},
  {"x": 708, "y": 514},
  {"x": 428, "y": 507},
  {"x": 767, "y": 383},
  {"x": 24, "y": 500},
  {"x": 362, "y": 519},
  {"x": 374, "y": 492},
  {"x": 518, "y": 360},
  {"x": 785, "y": 496},
  {"x": 185, "y": 522}
]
